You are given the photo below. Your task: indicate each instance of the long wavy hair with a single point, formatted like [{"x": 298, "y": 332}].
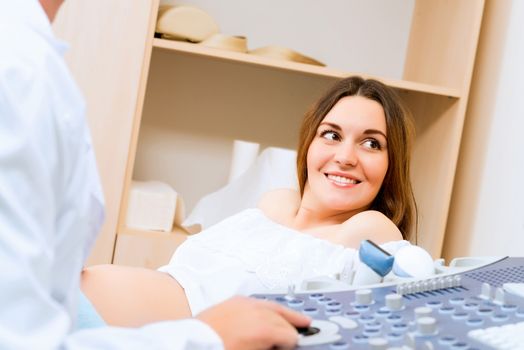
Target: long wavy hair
[{"x": 395, "y": 198}]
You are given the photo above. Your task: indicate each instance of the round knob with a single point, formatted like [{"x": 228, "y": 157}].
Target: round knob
[
  {"x": 394, "y": 302},
  {"x": 500, "y": 296},
  {"x": 417, "y": 287},
  {"x": 486, "y": 291},
  {"x": 364, "y": 297},
  {"x": 378, "y": 343},
  {"x": 457, "y": 281},
  {"x": 290, "y": 292},
  {"x": 422, "y": 311},
  {"x": 427, "y": 325}
]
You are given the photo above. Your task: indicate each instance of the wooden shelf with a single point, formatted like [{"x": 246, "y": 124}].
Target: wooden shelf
[
  {"x": 239, "y": 57},
  {"x": 177, "y": 233},
  {"x": 149, "y": 249}
]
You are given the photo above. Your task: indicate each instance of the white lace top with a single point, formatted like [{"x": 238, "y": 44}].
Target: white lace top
[{"x": 249, "y": 253}]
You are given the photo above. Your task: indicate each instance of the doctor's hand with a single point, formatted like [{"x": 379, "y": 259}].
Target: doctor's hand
[{"x": 245, "y": 323}]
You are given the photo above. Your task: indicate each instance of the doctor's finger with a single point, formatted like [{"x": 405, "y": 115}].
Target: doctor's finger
[{"x": 293, "y": 317}]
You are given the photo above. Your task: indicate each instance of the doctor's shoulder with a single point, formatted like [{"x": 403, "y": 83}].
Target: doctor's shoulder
[
  {"x": 369, "y": 224},
  {"x": 279, "y": 204}
]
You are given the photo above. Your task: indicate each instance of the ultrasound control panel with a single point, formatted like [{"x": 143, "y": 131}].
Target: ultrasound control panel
[{"x": 478, "y": 309}]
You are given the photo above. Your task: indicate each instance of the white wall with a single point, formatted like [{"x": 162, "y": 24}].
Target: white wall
[
  {"x": 487, "y": 211},
  {"x": 366, "y": 36}
]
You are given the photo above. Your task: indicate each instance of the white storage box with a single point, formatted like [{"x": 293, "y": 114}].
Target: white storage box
[{"x": 153, "y": 205}]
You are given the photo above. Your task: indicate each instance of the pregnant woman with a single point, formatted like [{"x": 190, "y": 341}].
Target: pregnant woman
[{"x": 353, "y": 166}]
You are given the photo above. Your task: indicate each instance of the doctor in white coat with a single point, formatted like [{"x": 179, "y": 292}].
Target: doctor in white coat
[{"x": 51, "y": 208}]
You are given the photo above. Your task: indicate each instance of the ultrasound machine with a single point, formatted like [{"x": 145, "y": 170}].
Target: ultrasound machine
[{"x": 474, "y": 303}]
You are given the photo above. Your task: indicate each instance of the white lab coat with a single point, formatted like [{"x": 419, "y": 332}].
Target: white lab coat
[{"x": 51, "y": 204}]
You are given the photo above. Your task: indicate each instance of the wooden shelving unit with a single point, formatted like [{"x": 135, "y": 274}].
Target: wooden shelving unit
[{"x": 156, "y": 252}]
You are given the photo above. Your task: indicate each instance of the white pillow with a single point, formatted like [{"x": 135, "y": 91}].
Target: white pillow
[{"x": 274, "y": 168}]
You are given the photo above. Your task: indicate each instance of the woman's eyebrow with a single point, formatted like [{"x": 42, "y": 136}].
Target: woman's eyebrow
[
  {"x": 334, "y": 126},
  {"x": 366, "y": 132},
  {"x": 374, "y": 131}
]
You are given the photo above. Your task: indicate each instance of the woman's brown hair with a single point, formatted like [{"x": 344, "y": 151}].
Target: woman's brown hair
[{"x": 395, "y": 198}]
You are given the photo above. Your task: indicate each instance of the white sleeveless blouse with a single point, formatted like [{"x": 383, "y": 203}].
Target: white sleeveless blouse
[{"x": 248, "y": 253}]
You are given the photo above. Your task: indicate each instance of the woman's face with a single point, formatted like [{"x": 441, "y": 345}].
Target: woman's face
[{"x": 348, "y": 158}]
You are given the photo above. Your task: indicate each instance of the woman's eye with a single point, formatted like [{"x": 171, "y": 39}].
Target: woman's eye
[
  {"x": 330, "y": 135},
  {"x": 373, "y": 144}
]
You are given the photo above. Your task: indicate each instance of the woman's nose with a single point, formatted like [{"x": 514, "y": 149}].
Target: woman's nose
[{"x": 346, "y": 155}]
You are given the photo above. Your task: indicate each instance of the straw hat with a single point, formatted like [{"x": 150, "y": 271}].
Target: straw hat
[
  {"x": 239, "y": 44},
  {"x": 181, "y": 22},
  {"x": 283, "y": 53},
  {"x": 185, "y": 23},
  {"x": 226, "y": 42}
]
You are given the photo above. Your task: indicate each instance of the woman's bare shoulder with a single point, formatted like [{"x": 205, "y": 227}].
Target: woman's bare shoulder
[
  {"x": 280, "y": 203},
  {"x": 369, "y": 224}
]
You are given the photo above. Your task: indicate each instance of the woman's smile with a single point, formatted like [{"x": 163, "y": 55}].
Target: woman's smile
[{"x": 342, "y": 180}]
